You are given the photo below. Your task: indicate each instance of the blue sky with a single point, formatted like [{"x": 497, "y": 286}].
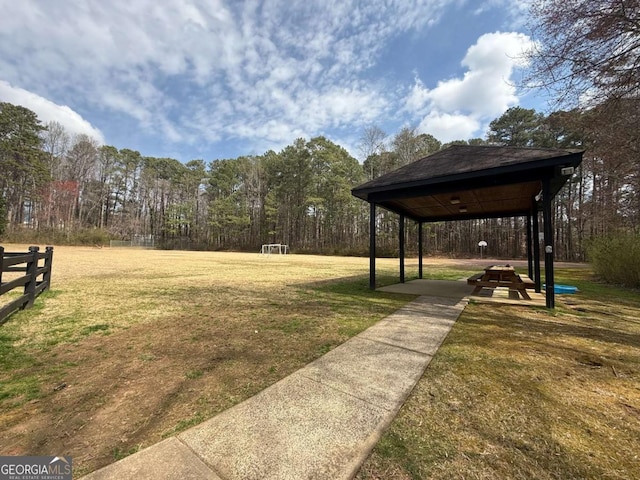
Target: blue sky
[{"x": 215, "y": 79}]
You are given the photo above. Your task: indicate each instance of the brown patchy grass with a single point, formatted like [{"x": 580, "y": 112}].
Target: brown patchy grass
[
  {"x": 132, "y": 346},
  {"x": 521, "y": 393}
]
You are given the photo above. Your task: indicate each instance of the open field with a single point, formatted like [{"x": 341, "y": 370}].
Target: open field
[
  {"x": 131, "y": 346},
  {"x": 520, "y": 393}
]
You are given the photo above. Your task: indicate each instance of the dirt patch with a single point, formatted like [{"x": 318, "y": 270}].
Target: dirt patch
[{"x": 129, "y": 389}]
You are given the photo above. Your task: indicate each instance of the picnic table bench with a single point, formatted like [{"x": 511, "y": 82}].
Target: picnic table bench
[{"x": 495, "y": 276}]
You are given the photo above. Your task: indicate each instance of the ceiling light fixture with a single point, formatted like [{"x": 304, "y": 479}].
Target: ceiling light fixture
[
  {"x": 455, "y": 200},
  {"x": 463, "y": 209}
]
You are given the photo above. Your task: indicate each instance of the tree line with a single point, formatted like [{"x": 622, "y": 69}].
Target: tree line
[
  {"x": 62, "y": 188},
  {"x": 69, "y": 189}
]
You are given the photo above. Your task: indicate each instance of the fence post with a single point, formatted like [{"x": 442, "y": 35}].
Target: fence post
[
  {"x": 48, "y": 262},
  {"x": 1, "y": 263},
  {"x": 32, "y": 270}
]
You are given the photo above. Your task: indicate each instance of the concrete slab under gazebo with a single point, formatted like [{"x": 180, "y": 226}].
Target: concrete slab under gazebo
[{"x": 465, "y": 182}]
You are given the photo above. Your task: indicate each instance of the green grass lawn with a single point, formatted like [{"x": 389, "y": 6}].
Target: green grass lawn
[
  {"x": 520, "y": 393},
  {"x": 132, "y": 346}
]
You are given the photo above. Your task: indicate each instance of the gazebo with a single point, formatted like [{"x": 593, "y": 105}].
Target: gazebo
[{"x": 465, "y": 182}]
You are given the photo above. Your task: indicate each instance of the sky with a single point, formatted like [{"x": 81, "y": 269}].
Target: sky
[{"x": 212, "y": 79}]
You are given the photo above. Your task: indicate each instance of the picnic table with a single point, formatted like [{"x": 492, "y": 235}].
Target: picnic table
[{"x": 495, "y": 276}]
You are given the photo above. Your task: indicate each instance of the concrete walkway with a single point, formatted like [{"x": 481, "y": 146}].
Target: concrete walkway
[
  {"x": 447, "y": 288},
  {"x": 322, "y": 421}
]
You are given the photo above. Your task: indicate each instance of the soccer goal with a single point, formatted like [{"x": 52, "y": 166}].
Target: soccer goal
[
  {"x": 279, "y": 248},
  {"x": 140, "y": 241}
]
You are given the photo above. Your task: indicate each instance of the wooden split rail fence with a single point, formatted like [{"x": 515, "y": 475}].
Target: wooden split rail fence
[{"x": 29, "y": 263}]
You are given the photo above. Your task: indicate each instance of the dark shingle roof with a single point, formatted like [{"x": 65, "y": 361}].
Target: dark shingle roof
[{"x": 484, "y": 171}]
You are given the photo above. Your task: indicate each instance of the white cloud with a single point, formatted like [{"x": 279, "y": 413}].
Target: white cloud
[
  {"x": 260, "y": 73},
  {"x": 419, "y": 97},
  {"x": 48, "y": 111},
  {"x": 447, "y": 127},
  {"x": 484, "y": 92},
  {"x": 210, "y": 68},
  {"x": 516, "y": 10},
  {"x": 500, "y": 50}
]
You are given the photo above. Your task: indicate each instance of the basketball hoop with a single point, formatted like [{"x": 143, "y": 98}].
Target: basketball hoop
[{"x": 482, "y": 244}]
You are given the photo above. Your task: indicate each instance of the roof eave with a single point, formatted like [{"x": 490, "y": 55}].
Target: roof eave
[{"x": 573, "y": 159}]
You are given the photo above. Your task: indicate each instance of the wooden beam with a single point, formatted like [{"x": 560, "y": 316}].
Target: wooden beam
[
  {"x": 372, "y": 246},
  {"x": 401, "y": 249},
  {"x": 420, "y": 250},
  {"x": 529, "y": 246},
  {"x": 548, "y": 245},
  {"x": 536, "y": 252}
]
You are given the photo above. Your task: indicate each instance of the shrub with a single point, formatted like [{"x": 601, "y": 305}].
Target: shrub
[
  {"x": 28, "y": 235},
  {"x": 616, "y": 259},
  {"x": 90, "y": 236},
  {"x": 54, "y": 236}
]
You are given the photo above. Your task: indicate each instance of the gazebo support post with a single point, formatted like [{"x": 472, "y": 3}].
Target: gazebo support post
[
  {"x": 401, "y": 250},
  {"x": 536, "y": 252},
  {"x": 420, "y": 250},
  {"x": 548, "y": 244},
  {"x": 372, "y": 246},
  {"x": 529, "y": 246}
]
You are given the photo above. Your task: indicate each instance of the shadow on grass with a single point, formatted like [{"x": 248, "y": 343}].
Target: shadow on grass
[
  {"x": 549, "y": 324},
  {"x": 520, "y": 392}
]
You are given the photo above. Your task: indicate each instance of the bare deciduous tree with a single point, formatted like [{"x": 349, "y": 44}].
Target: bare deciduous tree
[
  {"x": 588, "y": 51},
  {"x": 372, "y": 141}
]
